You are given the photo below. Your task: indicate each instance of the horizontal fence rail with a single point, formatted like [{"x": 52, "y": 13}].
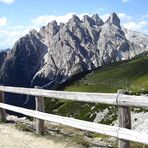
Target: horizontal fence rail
[
  {"x": 124, "y": 102},
  {"x": 103, "y": 98},
  {"x": 117, "y": 132}
]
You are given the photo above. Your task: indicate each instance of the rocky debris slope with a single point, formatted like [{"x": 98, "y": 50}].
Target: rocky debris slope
[{"x": 57, "y": 52}]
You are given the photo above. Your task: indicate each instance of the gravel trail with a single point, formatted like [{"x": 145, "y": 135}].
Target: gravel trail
[{"x": 10, "y": 137}]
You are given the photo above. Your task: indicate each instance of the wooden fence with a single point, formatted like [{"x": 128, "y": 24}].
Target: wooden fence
[{"x": 120, "y": 99}]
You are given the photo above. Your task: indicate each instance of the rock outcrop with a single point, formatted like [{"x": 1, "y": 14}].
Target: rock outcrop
[
  {"x": 113, "y": 19},
  {"x": 21, "y": 64},
  {"x": 3, "y": 55},
  {"x": 58, "y": 52}
]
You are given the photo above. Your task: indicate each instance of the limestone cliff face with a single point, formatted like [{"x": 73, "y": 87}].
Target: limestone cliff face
[
  {"x": 82, "y": 45},
  {"x": 57, "y": 52}
]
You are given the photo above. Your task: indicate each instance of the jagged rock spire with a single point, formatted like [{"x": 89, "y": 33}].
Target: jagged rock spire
[
  {"x": 88, "y": 20},
  {"x": 75, "y": 18},
  {"x": 97, "y": 19},
  {"x": 114, "y": 19}
]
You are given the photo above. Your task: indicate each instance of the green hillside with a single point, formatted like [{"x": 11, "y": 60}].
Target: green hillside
[{"x": 131, "y": 75}]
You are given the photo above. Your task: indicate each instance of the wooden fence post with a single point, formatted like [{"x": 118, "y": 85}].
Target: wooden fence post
[
  {"x": 39, "y": 107},
  {"x": 2, "y": 111},
  {"x": 124, "y": 120}
]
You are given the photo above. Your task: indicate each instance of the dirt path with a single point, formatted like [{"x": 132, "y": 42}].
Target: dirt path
[{"x": 10, "y": 137}]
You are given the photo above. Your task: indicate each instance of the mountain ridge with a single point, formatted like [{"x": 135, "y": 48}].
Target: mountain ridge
[
  {"x": 77, "y": 29},
  {"x": 57, "y": 52}
]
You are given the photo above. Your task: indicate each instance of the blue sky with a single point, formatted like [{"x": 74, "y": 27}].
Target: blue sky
[{"x": 17, "y": 17}]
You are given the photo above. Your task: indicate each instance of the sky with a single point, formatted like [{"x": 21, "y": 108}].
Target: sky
[{"x": 17, "y": 17}]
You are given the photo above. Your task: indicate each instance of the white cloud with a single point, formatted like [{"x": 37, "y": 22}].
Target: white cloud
[
  {"x": 124, "y": 17},
  {"x": 138, "y": 26},
  {"x": 9, "y": 37},
  {"x": 45, "y": 19},
  {"x": 125, "y": 1},
  {"x": 7, "y": 1},
  {"x": 3, "y": 21}
]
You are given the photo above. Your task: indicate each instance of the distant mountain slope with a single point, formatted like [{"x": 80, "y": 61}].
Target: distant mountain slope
[{"x": 137, "y": 38}]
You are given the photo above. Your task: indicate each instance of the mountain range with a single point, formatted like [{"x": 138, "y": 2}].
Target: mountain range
[{"x": 57, "y": 52}]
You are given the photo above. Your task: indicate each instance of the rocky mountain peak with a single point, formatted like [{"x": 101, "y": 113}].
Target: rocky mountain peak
[
  {"x": 61, "y": 25},
  {"x": 52, "y": 24},
  {"x": 52, "y": 28},
  {"x": 88, "y": 20},
  {"x": 95, "y": 16},
  {"x": 97, "y": 20},
  {"x": 33, "y": 31},
  {"x": 114, "y": 19},
  {"x": 49, "y": 31},
  {"x": 75, "y": 18}
]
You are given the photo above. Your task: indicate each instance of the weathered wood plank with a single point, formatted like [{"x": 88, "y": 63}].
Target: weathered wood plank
[
  {"x": 124, "y": 120},
  {"x": 40, "y": 128},
  {"x": 2, "y": 111},
  {"x": 133, "y": 101},
  {"x": 132, "y": 135},
  {"x": 77, "y": 96},
  {"x": 121, "y": 133},
  {"x": 104, "y": 98}
]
